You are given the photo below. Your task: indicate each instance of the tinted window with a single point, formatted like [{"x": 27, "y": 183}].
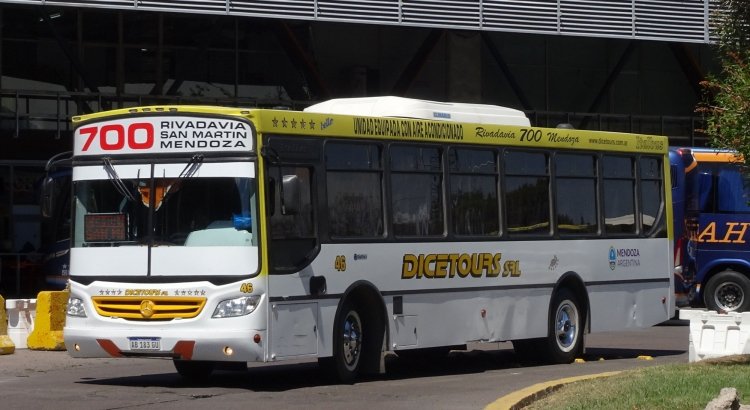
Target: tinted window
[
  {"x": 619, "y": 194},
  {"x": 474, "y": 206},
  {"x": 527, "y": 192},
  {"x": 576, "y": 194},
  {"x": 651, "y": 192},
  {"x": 354, "y": 186},
  {"x": 416, "y": 185}
]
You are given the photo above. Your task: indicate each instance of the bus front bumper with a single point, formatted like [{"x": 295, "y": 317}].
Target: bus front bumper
[{"x": 230, "y": 346}]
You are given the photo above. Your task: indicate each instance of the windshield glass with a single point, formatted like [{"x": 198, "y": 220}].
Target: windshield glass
[{"x": 207, "y": 210}]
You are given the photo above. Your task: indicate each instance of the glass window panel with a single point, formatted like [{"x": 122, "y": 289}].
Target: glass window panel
[
  {"x": 650, "y": 168},
  {"x": 355, "y": 204},
  {"x": 527, "y": 205},
  {"x": 417, "y": 204},
  {"x": 472, "y": 161},
  {"x": 650, "y": 203},
  {"x": 525, "y": 163},
  {"x": 733, "y": 190},
  {"x": 474, "y": 205},
  {"x": 575, "y": 165},
  {"x": 617, "y": 167},
  {"x": 619, "y": 206},
  {"x": 415, "y": 159},
  {"x": 576, "y": 206},
  {"x": 352, "y": 156},
  {"x": 299, "y": 225}
]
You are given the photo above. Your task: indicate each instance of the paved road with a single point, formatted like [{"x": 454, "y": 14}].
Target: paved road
[{"x": 464, "y": 380}]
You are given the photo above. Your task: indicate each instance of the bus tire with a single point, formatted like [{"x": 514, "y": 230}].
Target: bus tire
[
  {"x": 348, "y": 343},
  {"x": 565, "y": 333},
  {"x": 194, "y": 370},
  {"x": 728, "y": 291}
]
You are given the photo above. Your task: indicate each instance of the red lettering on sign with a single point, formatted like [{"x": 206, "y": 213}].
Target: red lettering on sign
[{"x": 140, "y": 135}]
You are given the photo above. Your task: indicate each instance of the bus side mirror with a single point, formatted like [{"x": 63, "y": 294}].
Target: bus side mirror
[
  {"x": 48, "y": 196},
  {"x": 290, "y": 195}
]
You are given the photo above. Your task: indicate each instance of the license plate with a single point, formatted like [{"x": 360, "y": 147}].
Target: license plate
[{"x": 145, "y": 343}]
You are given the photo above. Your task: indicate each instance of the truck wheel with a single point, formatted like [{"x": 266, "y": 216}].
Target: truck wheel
[{"x": 727, "y": 291}]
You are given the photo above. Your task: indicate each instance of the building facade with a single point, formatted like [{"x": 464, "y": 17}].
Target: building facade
[{"x": 625, "y": 65}]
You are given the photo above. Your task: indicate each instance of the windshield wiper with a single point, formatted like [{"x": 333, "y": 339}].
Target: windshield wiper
[
  {"x": 190, "y": 169},
  {"x": 116, "y": 181}
]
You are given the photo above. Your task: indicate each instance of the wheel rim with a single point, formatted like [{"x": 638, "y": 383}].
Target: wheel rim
[
  {"x": 729, "y": 296},
  {"x": 566, "y": 325},
  {"x": 352, "y": 339}
]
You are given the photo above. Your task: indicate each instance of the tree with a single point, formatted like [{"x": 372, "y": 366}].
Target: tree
[{"x": 726, "y": 103}]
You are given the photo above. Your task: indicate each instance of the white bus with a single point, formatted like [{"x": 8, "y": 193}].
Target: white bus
[{"x": 357, "y": 227}]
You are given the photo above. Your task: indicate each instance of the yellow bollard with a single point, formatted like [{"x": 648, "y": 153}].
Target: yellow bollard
[
  {"x": 6, "y": 344},
  {"x": 49, "y": 322}
]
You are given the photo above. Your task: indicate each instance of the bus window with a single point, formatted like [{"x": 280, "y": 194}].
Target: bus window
[
  {"x": 733, "y": 191},
  {"x": 417, "y": 184},
  {"x": 575, "y": 181},
  {"x": 527, "y": 192},
  {"x": 651, "y": 196},
  {"x": 355, "y": 193},
  {"x": 293, "y": 235},
  {"x": 619, "y": 195},
  {"x": 473, "y": 196}
]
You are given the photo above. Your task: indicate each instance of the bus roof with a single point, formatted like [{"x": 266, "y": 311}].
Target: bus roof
[
  {"x": 710, "y": 154},
  {"x": 185, "y": 128},
  {"x": 400, "y": 107}
]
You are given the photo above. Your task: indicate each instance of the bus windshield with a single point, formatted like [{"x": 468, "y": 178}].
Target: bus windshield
[{"x": 195, "y": 211}]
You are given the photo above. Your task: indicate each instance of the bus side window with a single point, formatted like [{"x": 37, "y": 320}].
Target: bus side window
[
  {"x": 652, "y": 201},
  {"x": 292, "y": 230},
  {"x": 704, "y": 192},
  {"x": 732, "y": 195}
]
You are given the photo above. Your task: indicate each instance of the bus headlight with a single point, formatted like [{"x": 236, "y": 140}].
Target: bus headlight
[
  {"x": 76, "y": 308},
  {"x": 237, "y": 307}
]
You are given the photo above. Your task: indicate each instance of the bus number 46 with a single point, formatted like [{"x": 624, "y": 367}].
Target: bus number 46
[
  {"x": 114, "y": 137},
  {"x": 340, "y": 263}
]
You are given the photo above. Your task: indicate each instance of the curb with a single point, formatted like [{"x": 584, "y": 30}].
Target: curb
[{"x": 521, "y": 398}]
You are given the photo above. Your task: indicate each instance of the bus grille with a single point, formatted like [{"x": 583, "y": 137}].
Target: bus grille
[{"x": 149, "y": 307}]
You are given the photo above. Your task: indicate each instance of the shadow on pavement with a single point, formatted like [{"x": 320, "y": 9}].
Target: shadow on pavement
[{"x": 282, "y": 377}]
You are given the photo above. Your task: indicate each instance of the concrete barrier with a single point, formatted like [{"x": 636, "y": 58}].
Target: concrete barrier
[
  {"x": 49, "y": 323},
  {"x": 714, "y": 334},
  {"x": 21, "y": 313},
  {"x": 6, "y": 344}
]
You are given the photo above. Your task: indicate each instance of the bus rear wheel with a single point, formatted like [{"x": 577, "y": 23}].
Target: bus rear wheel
[
  {"x": 194, "y": 370},
  {"x": 728, "y": 291},
  {"x": 565, "y": 333}
]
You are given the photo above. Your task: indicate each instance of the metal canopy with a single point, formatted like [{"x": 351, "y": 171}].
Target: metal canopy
[{"x": 666, "y": 20}]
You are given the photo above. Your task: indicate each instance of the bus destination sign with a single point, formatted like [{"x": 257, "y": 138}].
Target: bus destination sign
[{"x": 163, "y": 134}]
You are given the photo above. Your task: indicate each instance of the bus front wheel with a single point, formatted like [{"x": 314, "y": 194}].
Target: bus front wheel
[
  {"x": 565, "y": 335},
  {"x": 348, "y": 344},
  {"x": 728, "y": 291}
]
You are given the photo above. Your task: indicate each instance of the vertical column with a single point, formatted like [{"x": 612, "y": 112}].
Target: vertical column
[{"x": 464, "y": 66}]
